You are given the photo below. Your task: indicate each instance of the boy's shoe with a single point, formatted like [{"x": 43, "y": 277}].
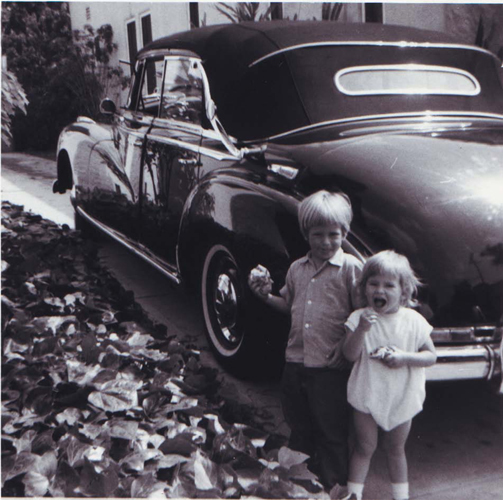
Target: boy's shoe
[{"x": 339, "y": 492}]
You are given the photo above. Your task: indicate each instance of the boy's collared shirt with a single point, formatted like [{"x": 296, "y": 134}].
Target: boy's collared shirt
[{"x": 320, "y": 302}]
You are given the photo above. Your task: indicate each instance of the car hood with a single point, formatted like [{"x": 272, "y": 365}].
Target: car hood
[{"x": 437, "y": 197}]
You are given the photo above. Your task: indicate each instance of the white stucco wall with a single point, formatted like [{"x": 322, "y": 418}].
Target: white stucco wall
[
  {"x": 351, "y": 12},
  {"x": 209, "y": 14},
  {"x": 430, "y": 16},
  {"x": 167, "y": 18},
  {"x": 302, "y": 11}
]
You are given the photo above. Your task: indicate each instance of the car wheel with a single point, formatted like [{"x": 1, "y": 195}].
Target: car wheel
[
  {"x": 222, "y": 295},
  {"x": 241, "y": 329}
]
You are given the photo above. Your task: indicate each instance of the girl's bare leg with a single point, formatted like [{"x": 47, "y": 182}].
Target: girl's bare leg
[
  {"x": 394, "y": 447},
  {"x": 365, "y": 444}
]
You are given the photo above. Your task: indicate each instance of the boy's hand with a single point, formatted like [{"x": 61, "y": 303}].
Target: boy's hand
[
  {"x": 367, "y": 319},
  {"x": 259, "y": 290},
  {"x": 260, "y": 282}
]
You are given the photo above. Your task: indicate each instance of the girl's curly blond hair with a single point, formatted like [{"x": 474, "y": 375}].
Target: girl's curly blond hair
[{"x": 390, "y": 262}]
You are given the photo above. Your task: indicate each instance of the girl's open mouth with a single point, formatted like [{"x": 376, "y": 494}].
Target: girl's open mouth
[{"x": 379, "y": 303}]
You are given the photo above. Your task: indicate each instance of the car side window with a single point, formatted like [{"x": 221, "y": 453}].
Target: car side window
[
  {"x": 150, "y": 94},
  {"x": 182, "y": 97}
]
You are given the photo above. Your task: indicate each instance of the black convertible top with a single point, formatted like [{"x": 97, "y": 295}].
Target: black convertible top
[
  {"x": 241, "y": 44},
  {"x": 260, "y": 94}
]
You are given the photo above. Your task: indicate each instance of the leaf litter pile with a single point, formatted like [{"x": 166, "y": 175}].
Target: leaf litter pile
[{"x": 97, "y": 401}]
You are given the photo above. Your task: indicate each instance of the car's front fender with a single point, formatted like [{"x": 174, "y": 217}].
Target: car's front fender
[{"x": 258, "y": 223}]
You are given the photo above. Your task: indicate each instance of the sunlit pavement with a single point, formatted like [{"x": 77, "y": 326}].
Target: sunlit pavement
[{"x": 25, "y": 181}]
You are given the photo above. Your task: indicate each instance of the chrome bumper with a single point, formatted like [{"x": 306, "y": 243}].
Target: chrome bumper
[{"x": 467, "y": 363}]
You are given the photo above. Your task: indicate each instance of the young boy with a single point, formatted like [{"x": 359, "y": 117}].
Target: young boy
[{"x": 319, "y": 295}]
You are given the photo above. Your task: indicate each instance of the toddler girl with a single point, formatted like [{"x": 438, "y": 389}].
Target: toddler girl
[{"x": 390, "y": 345}]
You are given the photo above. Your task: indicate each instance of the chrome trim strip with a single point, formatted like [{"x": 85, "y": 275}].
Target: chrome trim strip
[
  {"x": 166, "y": 51},
  {"x": 286, "y": 171},
  {"x": 170, "y": 123},
  {"x": 85, "y": 119},
  {"x": 470, "y": 334},
  {"x": 212, "y": 134},
  {"x": 499, "y": 368},
  {"x": 218, "y": 155},
  {"x": 405, "y": 67},
  {"x": 157, "y": 263},
  {"x": 420, "y": 127},
  {"x": 493, "y": 358},
  {"x": 463, "y": 363},
  {"x": 428, "y": 115},
  {"x": 212, "y": 153},
  {"x": 375, "y": 44},
  {"x": 173, "y": 142}
]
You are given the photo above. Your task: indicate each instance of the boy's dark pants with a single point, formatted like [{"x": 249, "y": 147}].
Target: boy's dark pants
[{"x": 314, "y": 402}]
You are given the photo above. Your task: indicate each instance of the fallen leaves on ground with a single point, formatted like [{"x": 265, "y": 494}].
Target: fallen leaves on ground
[{"x": 97, "y": 401}]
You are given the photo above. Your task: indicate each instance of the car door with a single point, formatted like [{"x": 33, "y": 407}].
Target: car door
[
  {"x": 171, "y": 167},
  {"x": 115, "y": 170}
]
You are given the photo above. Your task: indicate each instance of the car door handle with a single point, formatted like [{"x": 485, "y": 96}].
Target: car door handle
[{"x": 188, "y": 161}]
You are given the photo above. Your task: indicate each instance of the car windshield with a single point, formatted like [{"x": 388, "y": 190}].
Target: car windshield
[{"x": 406, "y": 79}]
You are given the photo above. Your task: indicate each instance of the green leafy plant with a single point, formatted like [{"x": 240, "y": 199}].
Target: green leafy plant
[
  {"x": 331, "y": 11},
  {"x": 90, "y": 75},
  {"x": 64, "y": 74},
  {"x": 13, "y": 98},
  {"x": 479, "y": 24},
  {"x": 243, "y": 11},
  {"x": 487, "y": 36},
  {"x": 98, "y": 401}
]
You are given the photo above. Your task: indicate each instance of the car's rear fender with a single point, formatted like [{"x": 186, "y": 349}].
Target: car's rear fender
[
  {"x": 75, "y": 144},
  {"x": 257, "y": 224}
]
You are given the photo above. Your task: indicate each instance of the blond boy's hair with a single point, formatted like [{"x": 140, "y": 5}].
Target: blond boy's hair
[
  {"x": 324, "y": 208},
  {"x": 390, "y": 262}
]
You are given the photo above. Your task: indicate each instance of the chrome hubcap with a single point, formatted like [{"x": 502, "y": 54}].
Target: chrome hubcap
[{"x": 226, "y": 307}]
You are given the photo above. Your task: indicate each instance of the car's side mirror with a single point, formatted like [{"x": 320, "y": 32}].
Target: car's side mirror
[{"x": 107, "y": 106}]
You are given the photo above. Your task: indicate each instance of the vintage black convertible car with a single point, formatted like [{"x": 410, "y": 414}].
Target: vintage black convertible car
[{"x": 227, "y": 128}]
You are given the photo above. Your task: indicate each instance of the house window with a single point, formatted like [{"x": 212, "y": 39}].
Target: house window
[
  {"x": 373, "y": 12},
  {"x": 131, "y": 39},
  {"x": 146, "y": 32},
  {"x": 194, "y": 14},
  {"x": 146, "y": 29},
  {"x": 276, "y": 10}
]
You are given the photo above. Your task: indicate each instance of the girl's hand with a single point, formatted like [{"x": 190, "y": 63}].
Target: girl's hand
[
  {"x": 367, "y": 319},
  {"x": 396, "y": 358}
]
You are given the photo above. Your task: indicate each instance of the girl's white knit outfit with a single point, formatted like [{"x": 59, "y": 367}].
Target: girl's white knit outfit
[{"x": 391, "y": 395}]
